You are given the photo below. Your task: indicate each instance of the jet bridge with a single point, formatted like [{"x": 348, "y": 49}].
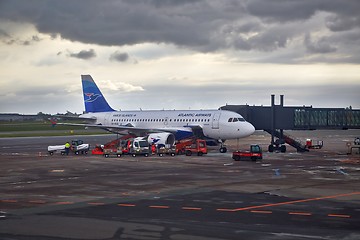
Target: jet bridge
[{"x": 275, "y": 119}]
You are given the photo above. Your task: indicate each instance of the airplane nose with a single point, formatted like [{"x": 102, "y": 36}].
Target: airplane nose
[{"x": 250, "y": 129}]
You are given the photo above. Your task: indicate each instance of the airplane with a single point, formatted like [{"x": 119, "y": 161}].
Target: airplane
[{"x": 161, "y": 126}]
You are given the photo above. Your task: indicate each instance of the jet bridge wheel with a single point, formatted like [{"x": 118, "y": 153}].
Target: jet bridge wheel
[{"x": 223, "y": 149}]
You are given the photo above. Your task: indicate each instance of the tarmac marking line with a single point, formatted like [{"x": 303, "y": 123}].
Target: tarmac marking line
[
  {"x": 37, "y": 201},
  {"x": 301, "y": 213},
  {"x": 126, "y": 205},
  {"x": 159, "y": 206},
  {"x": 126, "y": 194},
  {"x": 261, "y": 211},
  {"x": 225, "y": 210},
  {"x": 64, "y": 203},
  {"x": 96, "y": 203},
  {"x": 9, "y": 201},
  {"x": 191, "y": 208},
  {"x": 339, "y": 215},
  {"x": 292, "y": 202}
]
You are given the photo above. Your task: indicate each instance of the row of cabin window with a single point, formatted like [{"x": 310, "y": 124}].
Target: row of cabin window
[{"x": 160, "y": 120}]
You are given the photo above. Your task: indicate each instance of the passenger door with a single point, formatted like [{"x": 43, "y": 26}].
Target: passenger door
[{"x": 215, "y": 120}]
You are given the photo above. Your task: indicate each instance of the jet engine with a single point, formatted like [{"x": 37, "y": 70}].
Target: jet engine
[{"x": 161, "y": 138}]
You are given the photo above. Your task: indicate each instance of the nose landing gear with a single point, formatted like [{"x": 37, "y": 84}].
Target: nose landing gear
[{"x": 222, "y": 149}]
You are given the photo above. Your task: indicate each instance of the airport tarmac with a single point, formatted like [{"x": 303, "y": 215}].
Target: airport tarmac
[{"x": 313, "y": 195}]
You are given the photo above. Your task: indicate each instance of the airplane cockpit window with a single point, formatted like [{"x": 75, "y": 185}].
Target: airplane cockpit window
[{"x": 236, "y": 120}]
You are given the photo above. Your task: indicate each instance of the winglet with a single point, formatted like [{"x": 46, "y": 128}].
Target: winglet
[{"x": 93, "y": 98}]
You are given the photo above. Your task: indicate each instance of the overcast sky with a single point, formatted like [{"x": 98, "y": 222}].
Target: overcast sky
[{"x": 179, "y": 54}]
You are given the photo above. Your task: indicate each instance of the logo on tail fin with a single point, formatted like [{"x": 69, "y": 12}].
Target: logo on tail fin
[{"x": 91, "y": 97}]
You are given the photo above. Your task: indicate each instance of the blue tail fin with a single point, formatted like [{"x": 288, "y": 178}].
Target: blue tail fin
[{"x": 93, "y": 98}]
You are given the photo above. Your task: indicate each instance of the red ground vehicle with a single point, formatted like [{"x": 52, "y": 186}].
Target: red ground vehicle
[
  {"x": 196, "y": 147},
  {"x": 112, "y": 148},
  {"x": 254, "y": 154},
  {"x": 310, "y": 144}
]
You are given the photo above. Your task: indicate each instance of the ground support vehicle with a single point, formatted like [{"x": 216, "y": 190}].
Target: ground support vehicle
[
  {"x": 166, "y": 150},
  {"x": 254, "y": 154},
  {"x": 56, "y": 148},
  {"x": 357, "y": 141},
  {"x": 138, "y": 146},
  {"x": 115, "y": 147},
  {"x": 354, "y": 146},
  {"x": 180, "y": 145},
  {"x": 98, "y": 150},
  {"x": 77, "y": 147},
  {"x": 113, "y": 151},
  {"x": 310, "y": 144},
  {"x": 197, "y": 147}
]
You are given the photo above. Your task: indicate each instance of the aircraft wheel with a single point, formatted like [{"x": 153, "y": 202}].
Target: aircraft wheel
[
  {"x": 271, "y": 148},
  {"x": 283, "y": 148},
  {"x": 223, "y": 149}
]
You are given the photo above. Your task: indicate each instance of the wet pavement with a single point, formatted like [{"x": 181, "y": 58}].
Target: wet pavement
[{"x": 314, "y": 195}]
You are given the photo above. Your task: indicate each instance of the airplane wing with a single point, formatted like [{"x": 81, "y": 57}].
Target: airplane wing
[{"x": 129, "y": 129}]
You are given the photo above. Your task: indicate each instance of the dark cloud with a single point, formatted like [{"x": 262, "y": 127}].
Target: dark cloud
[
  {"x": 295, "y": 10},
  {"x": 320, "y": 46},
  {"x": 336, "y": 23},
  {"x": 84, "y": 54},
  {"x": 202, "y": 25},
  {"x": 119, "y": 56}
]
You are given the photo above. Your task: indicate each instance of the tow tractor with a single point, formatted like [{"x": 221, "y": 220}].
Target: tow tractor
[
  {"x": 197, "y": 146},
  {"x": 254, "y": 154},
  {"x": 77, "y": 147}
]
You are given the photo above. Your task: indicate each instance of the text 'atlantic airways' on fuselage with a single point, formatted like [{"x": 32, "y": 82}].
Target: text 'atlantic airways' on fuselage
[{"x": 215, "y": 124}]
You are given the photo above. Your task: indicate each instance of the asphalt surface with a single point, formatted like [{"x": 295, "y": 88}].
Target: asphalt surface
[{"x": 314, "y": 195}]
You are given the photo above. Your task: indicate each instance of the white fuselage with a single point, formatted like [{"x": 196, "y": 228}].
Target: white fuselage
[{"x": 215, "y": 124}]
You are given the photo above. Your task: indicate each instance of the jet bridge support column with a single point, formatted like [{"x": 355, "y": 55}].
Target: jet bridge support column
[{"x": 279, "y": 143}]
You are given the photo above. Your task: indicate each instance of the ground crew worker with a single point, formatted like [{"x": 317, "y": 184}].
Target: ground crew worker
[
  {"x": 153, "y": 149},
  {"x": 67, "y": 148}
]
